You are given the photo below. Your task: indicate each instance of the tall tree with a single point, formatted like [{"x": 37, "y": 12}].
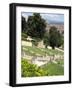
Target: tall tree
[
  {"x": 55, "y": 38},
  {"x": 36, "y": 26},
  {"x": 46, "y": 39},
  {"x": 23, "y": 24}
]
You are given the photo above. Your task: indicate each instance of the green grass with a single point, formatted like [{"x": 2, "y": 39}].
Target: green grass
[
  {"x": 53, "y": 69},
  {"x": 60, "y": 62},
  {"x": 41, "y": 51}
]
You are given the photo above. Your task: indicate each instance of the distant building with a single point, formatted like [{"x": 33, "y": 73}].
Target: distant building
[{"x": 60, "y": 27}]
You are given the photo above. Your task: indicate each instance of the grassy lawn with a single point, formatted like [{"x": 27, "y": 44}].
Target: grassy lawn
[
  {"x": 53, "y": 69},
  {"x": 41, "y": 51},
  {"x": 61, "y": 62}
]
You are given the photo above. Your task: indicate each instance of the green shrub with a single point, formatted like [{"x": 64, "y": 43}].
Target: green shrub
[
  {"x": 34, "y": 42},
  {"x": 24, "y": 36},
  {"x": 30, "y": 70}
]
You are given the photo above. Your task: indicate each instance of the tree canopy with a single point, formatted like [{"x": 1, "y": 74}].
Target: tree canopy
[
  {"x": 46, "y": 39},
  {"x": 24, "y": 24},
  {"x": 36, "y": 26},
  {"x": 55, "y": 38}
]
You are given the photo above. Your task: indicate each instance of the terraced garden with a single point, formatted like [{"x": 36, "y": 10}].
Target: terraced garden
[
  {"x": 41, "y": 51},
  {"x": 49, "y": 69}
]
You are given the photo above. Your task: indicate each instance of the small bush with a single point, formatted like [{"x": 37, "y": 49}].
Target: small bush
[
  {"x": 24, "y": 36},
  {"x": 34, "y": 42},
  {"x": 30, "y": 70}
]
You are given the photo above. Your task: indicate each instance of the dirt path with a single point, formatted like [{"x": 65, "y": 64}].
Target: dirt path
[{"x": 59, "y": 49}]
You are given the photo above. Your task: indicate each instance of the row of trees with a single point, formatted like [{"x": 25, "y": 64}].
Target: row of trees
[{"x": 35, "y": 27}]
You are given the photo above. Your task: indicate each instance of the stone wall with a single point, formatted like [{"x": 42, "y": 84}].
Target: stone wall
[{"x": 26, "y": 43}]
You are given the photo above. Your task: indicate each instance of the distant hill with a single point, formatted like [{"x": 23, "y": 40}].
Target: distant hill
[{"x": 55, "y": 22}]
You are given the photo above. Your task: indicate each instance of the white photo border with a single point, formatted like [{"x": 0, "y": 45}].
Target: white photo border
[{"x": 19, "y": 79}]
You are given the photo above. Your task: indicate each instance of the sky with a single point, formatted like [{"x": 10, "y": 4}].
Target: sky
[{"x": 49, "y": 17}]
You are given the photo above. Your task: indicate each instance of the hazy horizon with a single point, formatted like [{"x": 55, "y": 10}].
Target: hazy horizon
[{"x": 50, "y": 18}]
